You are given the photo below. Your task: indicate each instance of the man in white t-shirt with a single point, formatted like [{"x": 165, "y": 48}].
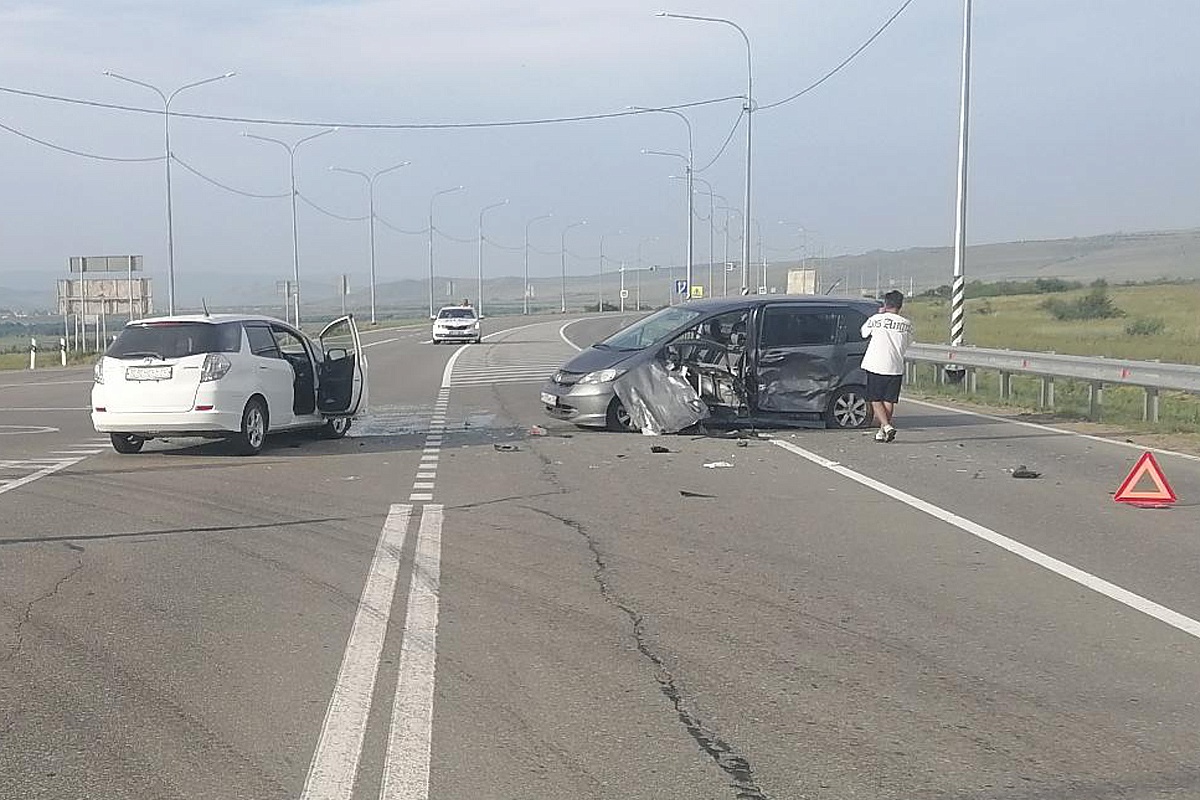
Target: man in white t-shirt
[{"x": 890, "y": 336}]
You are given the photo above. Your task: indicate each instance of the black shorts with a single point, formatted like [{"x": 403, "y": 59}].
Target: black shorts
[{"x": 883, "y": 388}]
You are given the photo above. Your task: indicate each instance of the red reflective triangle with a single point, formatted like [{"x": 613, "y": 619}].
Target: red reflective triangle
[{"x": 1146, "y": 465}]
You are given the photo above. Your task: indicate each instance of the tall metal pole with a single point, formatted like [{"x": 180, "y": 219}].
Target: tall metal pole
[
  {"x": 562, "y": 263},
  {"x": 435, "y": 196},
  {"x": 479, "y": 293},
  {"x": 167, "y": 158},
  {"x": 749, "y": 109},
  {"x": 370, "y": 179},
  {"x": 958, "y": 290},
  {"x": 641, "y": 242},
  {"x": 711, "y": 230},
  {"x": 600, "y": 276},
  {"x": 525, "y": 287},
  {"x": 689, "y": 176},
  {"x": 291, "y": 151}
]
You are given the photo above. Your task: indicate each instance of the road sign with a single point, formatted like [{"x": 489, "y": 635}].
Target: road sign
[
  {"x": 1162, "y": 495},
  {"x": 624, "y": 294},
  {"x": 697, "y": 292},
  {"x": 681, "y": 287}
]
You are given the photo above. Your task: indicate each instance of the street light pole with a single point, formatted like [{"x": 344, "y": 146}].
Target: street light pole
[
  {"x": 435, "y": 196},
  {"x": 291, "y": 151},
  {"x": 690, "y": 159},
  {"x": 370, "y": 179},
  {"x": 711, "y": 228},
  {"x": 958, "y": 290},
  {"x": 479, "y": 295},
  {"x": 167, "y": 98},
  {"x": 691, "y": 208},
  {"x": 562, "y": 263},
  {"x": 641, "y": 242},
  {"x": 749, "y": 108},
  {"x": 600, "y": 275},
  {"x": 525, "y": 287}
]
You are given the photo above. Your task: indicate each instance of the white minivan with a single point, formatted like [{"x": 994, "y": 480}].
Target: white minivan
[{"x": 229, "y": 376}]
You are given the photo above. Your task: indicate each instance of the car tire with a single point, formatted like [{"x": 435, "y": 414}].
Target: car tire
[
  {"x": 617, "y": 418},
  {"x": 126, "y": 443},
  {"x": 334, "y": 428},
  {"x": 848, "y": 408},
  {"x": 249, "y": 440}
]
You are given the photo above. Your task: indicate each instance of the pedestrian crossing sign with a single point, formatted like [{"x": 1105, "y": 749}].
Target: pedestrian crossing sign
[
  {"x": 697, "y": 292},
  {"x": 681, "y": 288}
]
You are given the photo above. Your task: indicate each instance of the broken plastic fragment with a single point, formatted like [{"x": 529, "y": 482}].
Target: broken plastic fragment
[
  {"x": 718, "y": 465},
  {"x": 506, "y": 448}
]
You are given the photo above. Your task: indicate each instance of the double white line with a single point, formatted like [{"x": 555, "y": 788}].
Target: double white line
[{"x": 334, "y": 765}]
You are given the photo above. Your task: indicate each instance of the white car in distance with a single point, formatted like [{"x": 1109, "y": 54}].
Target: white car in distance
[
  {"x": 457, "y": 324},
  {"x": 228, "y": 376}
]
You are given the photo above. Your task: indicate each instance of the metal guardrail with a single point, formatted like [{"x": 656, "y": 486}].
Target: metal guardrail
[{"x": 1152, "y": 376}]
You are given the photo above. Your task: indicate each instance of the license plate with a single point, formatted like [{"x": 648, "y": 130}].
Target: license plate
[
  {"x": 147, "y": 373},
  {"x": 549, "y": 399}
]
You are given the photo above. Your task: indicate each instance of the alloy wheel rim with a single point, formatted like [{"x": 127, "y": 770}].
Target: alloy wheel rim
[
  {"x": 851, "y": 411},
  {"x": 254, "y": 427}
]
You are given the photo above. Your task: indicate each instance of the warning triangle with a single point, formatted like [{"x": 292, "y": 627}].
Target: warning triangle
[{"x": 1145, "y": 466}]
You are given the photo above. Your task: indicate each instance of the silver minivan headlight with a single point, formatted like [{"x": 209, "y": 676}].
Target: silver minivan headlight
[{"x": 602, "y": 376}]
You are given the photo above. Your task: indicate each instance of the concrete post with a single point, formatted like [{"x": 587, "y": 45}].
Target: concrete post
[
  {"x": 62, "y": 350},
  {"x": 1150, "y": 405},
  {"x": 32, "y": 353}
]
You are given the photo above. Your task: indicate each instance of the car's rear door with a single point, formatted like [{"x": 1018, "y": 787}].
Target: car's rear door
[
  {"x": 799, "y": 357},
  {"x": 342, "y": 374},
  {"x": 276, "y": 380}
]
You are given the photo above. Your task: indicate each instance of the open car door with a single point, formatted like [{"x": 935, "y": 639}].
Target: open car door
[{"x": 342, "y": 386}]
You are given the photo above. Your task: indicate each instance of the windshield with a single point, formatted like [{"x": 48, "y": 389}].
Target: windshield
[
  {"x": 651, "y": 330},
  {"x": 456, "y": 313},
  {"x": 176, "y": 340}
]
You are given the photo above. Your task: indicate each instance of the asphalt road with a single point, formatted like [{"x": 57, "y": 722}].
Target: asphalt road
[{"x": 413, "y": 612}]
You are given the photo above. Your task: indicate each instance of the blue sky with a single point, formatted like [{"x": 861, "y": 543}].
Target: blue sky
[{"x": 1083, "y": 122}]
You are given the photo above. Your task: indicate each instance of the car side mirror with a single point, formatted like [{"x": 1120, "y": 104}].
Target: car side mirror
[
  {"x": 432, "y": 317},
  {"x": 335, "y": 354}
]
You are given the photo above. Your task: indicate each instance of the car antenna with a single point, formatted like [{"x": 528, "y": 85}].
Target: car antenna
[{"x": 204, "y": 305}]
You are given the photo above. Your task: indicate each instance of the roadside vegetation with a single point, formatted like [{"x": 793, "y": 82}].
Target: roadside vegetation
[{"x": 1143, "y": 322}]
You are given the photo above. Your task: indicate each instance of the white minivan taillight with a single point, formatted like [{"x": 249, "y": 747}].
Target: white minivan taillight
[{"x": 215, "y": 367}]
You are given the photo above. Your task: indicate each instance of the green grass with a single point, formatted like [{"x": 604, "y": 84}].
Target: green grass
[{"x": 1017, "y": 323}]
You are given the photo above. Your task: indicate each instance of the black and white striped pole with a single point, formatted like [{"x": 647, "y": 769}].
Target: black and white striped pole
[
  {"x": 32, "y": 353},
  {"x": 954, "y": 372}
]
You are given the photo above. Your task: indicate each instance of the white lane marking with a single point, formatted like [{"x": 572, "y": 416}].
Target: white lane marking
[
  {"x": 1085, "y": 579},
  {"x": 1050, "y": 429},
  {"x": 26, "y": 410},
  {"x": 423, "y": 485},
  {"x": 335, "y": 761},
  {"x": 406, "y": 765},
  {"x": 420, "y": 496},
  {"x": 21, "y": 430},
  {"x": 50, "y": 469},
  {"x": 90, "y": 452},
  {"x": 449, "y": 371},
  {"x": 562, "y": 334},
  {"x": 383, "y": 341},
  {"x": 426, "y": 476},
  {"x": 43, "y": 383}
]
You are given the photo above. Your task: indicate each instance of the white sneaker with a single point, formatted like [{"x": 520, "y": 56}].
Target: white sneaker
[
  {"x": 880, "y": 436},
  {"x": 889, "y": 433}
]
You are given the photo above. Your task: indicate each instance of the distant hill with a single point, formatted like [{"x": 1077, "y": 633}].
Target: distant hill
[{"x": 1116, "y": 257}]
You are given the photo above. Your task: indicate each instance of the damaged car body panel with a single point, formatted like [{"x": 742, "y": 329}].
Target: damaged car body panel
[{"x": 765, "y": 361}]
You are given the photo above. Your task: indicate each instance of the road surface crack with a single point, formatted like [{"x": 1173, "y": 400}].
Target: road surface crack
[
  {"x": 19, "y": 629},
  {"x": 738, "y": 767}
]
